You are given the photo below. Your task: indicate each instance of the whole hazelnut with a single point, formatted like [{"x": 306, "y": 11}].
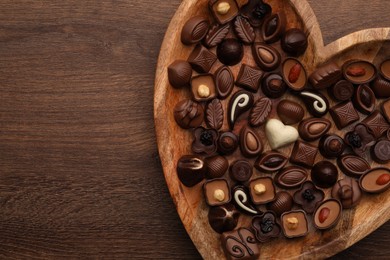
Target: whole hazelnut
[
  {"x": 259, "y": 189},
  {"x": 219, "y": 195},
  {"x": 292, "y": 223},
  {"x": 223, "y": 8},
  {"x": 203, "y": 91}
]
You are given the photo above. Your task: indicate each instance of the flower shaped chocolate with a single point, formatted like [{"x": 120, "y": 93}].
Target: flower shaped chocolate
[
  {"x": 265, "y": 226},
  {"x": 360, "y": 139},
  {"x": 205, "y": 141},
  {"x": 255, "y": 11},
  {"x": 308, "y": 196}
]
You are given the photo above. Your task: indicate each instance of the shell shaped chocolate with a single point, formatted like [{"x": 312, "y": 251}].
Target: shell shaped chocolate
[
  {"x": 290, "y": 112},
  {"x": 283, "y": 202},
  {"x": 291, "y": 177},
  {"x": 179, "y": 74},
  {"x": 216, "y": 166}
]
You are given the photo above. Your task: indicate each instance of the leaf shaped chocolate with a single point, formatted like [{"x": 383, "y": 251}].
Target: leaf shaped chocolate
[
  {"x": 260, "y": 111},
  {"x": 224, "y": 82},
  {"x": 244, "y": 30},
  {"x": 214, "y": 114},
  {"x": 215, "y": 35}
]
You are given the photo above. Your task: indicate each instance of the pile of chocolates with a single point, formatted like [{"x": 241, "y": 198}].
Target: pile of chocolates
[{"x": 283, "y": 194}]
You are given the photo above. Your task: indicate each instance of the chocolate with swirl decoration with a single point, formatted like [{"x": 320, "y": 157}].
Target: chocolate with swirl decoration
[
  {"x": 243, "y": 202},
  {"x": 240, "y": 244},
  {"x": 316, "y": 103},
  {"x": 239, "y": 103}
]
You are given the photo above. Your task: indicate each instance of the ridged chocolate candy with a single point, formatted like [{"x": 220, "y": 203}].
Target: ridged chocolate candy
[
  {"x": 283, "y": 202},
  {"x": 244, "y": 30},
  {"x": 214, "y": 114},
  {"x": 216, "y": 166},
  {"x": 290, "y": 112},
  {"x": 260, "y": 111},
  {"x": 215, "y": 35},
  {"x": 325, "y": 76},
  {"x": 271, "y": 161},
  {"x": 381, "y": 87},
  {"x": 201, "y": 59},
  {"x": 241, "y": 171},
  {"x": 343, "y": 90},
  {"x": 179, "y": 74},
  {"x": 347, "y": 191},
  {"x": 188, "y": 114},
  {"x": 353, "y": 165},
  {"x": 224, "y": 82},
  {"x": 290, "y": 177},
  {"x": 194, "y": 30}
]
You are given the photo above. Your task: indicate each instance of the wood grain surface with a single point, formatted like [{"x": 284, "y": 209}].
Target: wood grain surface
[{"x": 79, "y": 171}]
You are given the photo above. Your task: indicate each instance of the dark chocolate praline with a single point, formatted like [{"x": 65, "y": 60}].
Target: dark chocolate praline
[
  {"x": 230, "y": 52},
  {"x": 331, "y": 146},
  {"x": 223, "y": 218},
  {"x": 324, "y": 174}
]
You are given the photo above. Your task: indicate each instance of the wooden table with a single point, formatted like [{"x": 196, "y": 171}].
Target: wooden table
[{"x": 79, "y": 171}]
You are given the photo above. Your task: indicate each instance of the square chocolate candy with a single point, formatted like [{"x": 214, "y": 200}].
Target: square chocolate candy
[
  {"x": 344, "y": 114},
  {"x": 216, "y": 192},
  {"x": 303, "y": 154},
  {"x": 240, "y": 244}
]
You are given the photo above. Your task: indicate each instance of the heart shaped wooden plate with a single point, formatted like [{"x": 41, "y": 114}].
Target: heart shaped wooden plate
[{"x": 173, "y": 142}]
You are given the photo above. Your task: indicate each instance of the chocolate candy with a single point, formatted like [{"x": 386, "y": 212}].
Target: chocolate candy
[
  {"x": 294, "y": 42},
  {"x": 291, "y": 177},
  {"x": 344, "y": 114},
  {"x": 241, "y": 171},
  {"x": 271, "y": 161},
  {"x": 343, "y": 90},
  {"x": 324, "y": 174},
  {"x": 205, "y": 141},
  {"x": 266, "y": 57},
  {"x": 262, "y": 190},
  {"x": 273, "y": 27},
  {"x": 280, "y": 135},
  {"x": 216, "y": 192},
  {"x": 240, "y": 244},
  {"x": 331, "y": 146},
  {"x": 311, "y": 129},
  {"x": 227, "y": 143},
  {"x": 386, "y": 109},
  {"x": 249, "y": 78},
  {"x": 273, "y": 86},
  {"x": 316, "y": 103},
  {"x": 294, "y": 74},
  {"x": 224, "y": 82},
  {"x": 347, "y": 191},
  {"x": 255, "y": 11},
  {"x": 325, "y": 76},
  {"x": 376, "y": 180},
  {"x": 364, "y": 99},
  {"x": 190, "y": 170},
  {"x": 360, "y": 139},
  {"x": 376, "y": 123},
  {"x": 250, "y": 143},
  {"x": 352, "y": 165},
  {"x": 294, "y": 224},
  {"x": 201, "y": 59},
  {"x": 303, "y": 154},
  {"x": 242, "y": 201},
  {"x": 308, "y": 196},
  {"x": 194, "y": 30},
  {"x": 290, "y": 112},
  {"x": 216, "y": 166},
  {"x": 260, "y": 111},
  {"x": 384, "y": 69},
  {"x": 203, "y": 87},
  {"x": 381, "y": 87},
  {"x": 230, "y": 52},
  {"x": 244, "y": 30},
  {"x": 214, "y": 114},
  {"x": 380, "y": 152},
  {"x": 223, "y": 10},
  {"x": 283, "y": 202},
  {"x": 215, "y": 35},
  {"x": 239, "y": 103},
  {"x": 328, "y": 214},
  {"x": 359, "y": 71},
  {"x": 188, "y": 114},
  {"x": 179, "y": 74},
  {"x": 223, "y": 218},
  {"x": 265, "y": 227}
]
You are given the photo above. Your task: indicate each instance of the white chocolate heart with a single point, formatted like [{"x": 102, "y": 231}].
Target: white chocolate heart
[{"x": 279, "y": 134}]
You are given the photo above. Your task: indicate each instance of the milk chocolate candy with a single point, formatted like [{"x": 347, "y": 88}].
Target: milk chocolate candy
[
  {"x": 201, "y": 59},
  {"x": 316, "y": 103},
  {"x": 216, "y": 166},
  {"x": 190, "y": 170},
  {"x": 343, "y": 90},
  {"x": 224, "y": 82},
  {"x": 303, "y": 154},
  {"x": 359, "y": 71},
  {"x": 239, "y": 103},
  {"x": 352, "y": 165},
  {"x": 266, "y": 56},
  {"x": 327, "y": 214},
  {"x": 188, "y": 114},
  {"x": 294, "y": 42},
  {"x": 255, "y": 11},
  {"x": 216, "y": 192},
  {"x": 381, "y": 87},
  {"x": 266, "y": 227},
  {"x": 380, "y": 152},
  {"x": 249, "y": 78},
  {"x": 294, "y": 224},
  {"x": 223, "y": 218},
  {"x": 273, "y": 86},
  {"x": 384, "y": 69},
  {"x": 194, "y": 30},
  {"x": 223, "y": 10},
  {"x": 215, "y": 35},
  {"x": 290, "y": 112},
  {"x": 290, "y": 177},
  {"x": 344, "y": 114},
  {"x": 203, "y": 87},
  {"x": 376, "y": 124},
  {"x": 294, "y": 74},
  {"x": 244, "y": 30},
  {"x": 312, "y": 129},
  {"x": 376, "y": 180},
  {"x": 386, "y": 109},
  {"x": 230, "y": 52},
  {"x": 325, "y": 76},
  {"x": 262, "y": 190},
  {"x": 273, "y": 27},
  {"x": 283, "y": 202},
  {"x": 179, "y": 74},
  {"x": 347, "y": 191},
  {"x": 331, "y": 146},
  {"x": 240, "y": 244},
  {"x": 250, "y": 143},
  {"x": 364, "y": 99}
]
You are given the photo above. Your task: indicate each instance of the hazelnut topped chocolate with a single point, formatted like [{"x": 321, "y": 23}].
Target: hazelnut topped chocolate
[
  {"x": 223, "y": 10},
  {"x": 262, "y": 190},
  {"x": 216, "y": 192},
  {"x": 203, "y": 87},
  {"x": 359, "y": 71},
  {"x": 294, "y": 224}
]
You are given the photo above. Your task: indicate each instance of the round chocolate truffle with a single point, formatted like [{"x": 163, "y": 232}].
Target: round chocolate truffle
[
  {"x": 273, "y": 86},
  {"x": 324, "y": 174},
  {"x": 380, "y": 152},
  {"x": 347, "y": 191},
  {"x": 223, "y": 218},
  {"x": 294, "y": 42},
  {"x": 241, "y": 171},
  {"x": 331, "y": 146},
  {"x": 227, "y": 142},
  {"x": 230, "y": 51}
]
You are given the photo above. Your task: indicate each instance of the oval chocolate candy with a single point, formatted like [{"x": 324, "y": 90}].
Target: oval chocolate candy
[
  {"x": 266, "y": 57},
  {"x": 353, "y": 165},
  {"x": 291, "y": 177},
  {"x": 271, "y": 161},
  {"x": 224, "y": 82},
  {"x": 376, "y": 180},
  {"x": 294, "y": 74},
  {"x": 290, "y": 112},
  {"x": 194, "y": 30},
  {"x": 273, "y": 27},
  {"x": 250, "y": 143},
  {"x": 364, "y": 99},
  {"x": 311, "y": 129},
  {"x": 327, "y": 214},
  {"x": 359, "y": 71},
  {"x": 384, "y": 69}
]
